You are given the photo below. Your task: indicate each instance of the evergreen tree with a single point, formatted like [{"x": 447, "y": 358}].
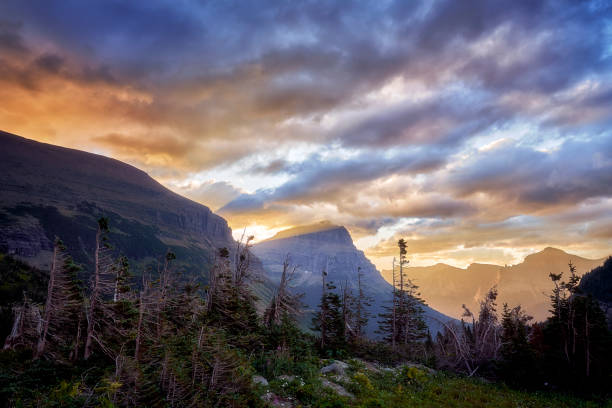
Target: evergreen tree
[
  {"x": 402, "y": 322},
  {"x": 362, "y": 302},
  {"x": 329, "y": 322},
  {"x": 576, "y": 336},
  {"x": 517, "y": 356},
  {"x": 230, "y": 301}
]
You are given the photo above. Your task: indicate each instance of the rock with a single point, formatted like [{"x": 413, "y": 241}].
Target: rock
[
  {"x": 340, "y": 379},
  {"x": 338, "y": 389},
  {"x": 287, "y": 378},
  {"x": 258, "y": 379},
  {"x": 368, "y": 365},
  {"x": 337, "y": 367}
]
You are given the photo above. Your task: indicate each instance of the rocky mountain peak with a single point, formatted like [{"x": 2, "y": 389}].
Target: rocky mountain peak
[{"x": 323, "y": 232}]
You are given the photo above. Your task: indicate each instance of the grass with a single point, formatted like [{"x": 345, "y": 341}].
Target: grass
[
  {"x": 413, "y": 387},
  {"x": 444, "y": 390}
]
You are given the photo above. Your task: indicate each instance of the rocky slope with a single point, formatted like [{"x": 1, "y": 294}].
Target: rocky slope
[
  {"x": 48, "y": 191},
  {"x": 327, "y": 246},
  {"x": 446, "y": 288}
]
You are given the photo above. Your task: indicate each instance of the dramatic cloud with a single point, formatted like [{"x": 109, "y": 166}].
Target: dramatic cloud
[
  {"x": 537, "y": 180},
  {"x": 477, "y": 130}
]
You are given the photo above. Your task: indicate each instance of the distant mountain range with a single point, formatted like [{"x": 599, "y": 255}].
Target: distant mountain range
[
  {"x": 446, "y": 288},
  {"x": 48, "y": 191},
  {"x": 329, "y": 247}
]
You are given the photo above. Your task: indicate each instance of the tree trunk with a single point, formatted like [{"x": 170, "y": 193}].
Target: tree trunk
[
  {"x": 139, "y": 327},
  {"x": 48, "y": 305}
]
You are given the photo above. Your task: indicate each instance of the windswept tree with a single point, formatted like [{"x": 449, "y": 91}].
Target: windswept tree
[
  {"x": 102, "y": 284},
  {"x": 27, "y": 327},
  {"x": 402, "y": 322},
  {"x": 109, "y": 303},
  {"x": 469, "y": 347},
  {"x": 60, "y": 318},
  {"x": 284, "y": 303},
  {"x": 230, "y": 300},
  {"x": 347, "y": 300}
]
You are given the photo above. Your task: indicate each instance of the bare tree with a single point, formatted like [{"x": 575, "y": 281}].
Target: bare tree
[
  {"x": 394, "y": 309},
  {"x": 472, "y": 345},
  {"x": 284, "y": 302},
  {"x": 27, "y": 325},
  {"x": 62, "y": 305},
  {"x": 103, "y": 312},
  {"x": 348, "y": 314},
  {"x": 323, "y": 312},
  {"x": 242, "y": 261}
]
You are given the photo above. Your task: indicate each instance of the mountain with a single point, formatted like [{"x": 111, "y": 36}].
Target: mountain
[
  {"x": 314, "y": 248},
  {"x": 49, "y": 191},
  {"x": 446, "y": 288}
]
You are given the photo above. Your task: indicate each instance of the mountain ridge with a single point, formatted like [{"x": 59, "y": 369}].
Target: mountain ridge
[
  {"x": 526, "y": 283},
  {"x": 50, "y": 191},
  {"x": 309, "y": 229},
  {"x": 330, "y": 249}
]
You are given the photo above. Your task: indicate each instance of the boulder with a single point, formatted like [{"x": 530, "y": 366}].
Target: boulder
[
  {"x": 258, "y": 379},
  {"x": 337, "y": 388},
  {"x": 337, "y": 367}
]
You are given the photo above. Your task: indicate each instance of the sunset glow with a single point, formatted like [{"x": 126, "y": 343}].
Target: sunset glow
[{"x": 478, "y": 137}]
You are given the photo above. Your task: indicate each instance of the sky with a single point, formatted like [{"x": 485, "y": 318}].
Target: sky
[{"x": 478, "y": 131}]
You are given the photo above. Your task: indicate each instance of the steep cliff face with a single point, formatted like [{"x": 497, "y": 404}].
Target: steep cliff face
[
  {"x": 49, "y": 191},
  {"x": 329, "y": 247}
]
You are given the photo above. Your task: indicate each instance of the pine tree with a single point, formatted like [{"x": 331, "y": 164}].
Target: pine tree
[
  {"x": 329, "y": 322},
  {"x": 517, "y": 356},
  {"x": 402, "y": 322},
  {"x": 362, "y": 303},
  {"x": 576, "y": 336},
  {"x": 230, "y": 300}
]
